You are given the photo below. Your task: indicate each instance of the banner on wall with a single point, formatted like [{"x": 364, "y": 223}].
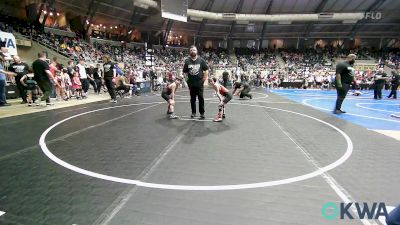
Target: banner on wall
[
  {"x": 365, "y": 67},
  {"x": 10, "y": 43}
]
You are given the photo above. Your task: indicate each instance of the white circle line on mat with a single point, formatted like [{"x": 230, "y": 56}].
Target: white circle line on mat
[
  {"x": 341, "y": 160},
  {"x": 366, "y": 96},
  {"x": 379, "y": 110},
  {"x": 305, "y": 102}
]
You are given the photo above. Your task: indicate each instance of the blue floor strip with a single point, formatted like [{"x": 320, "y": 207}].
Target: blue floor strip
[{"x": 362, "y": 110}]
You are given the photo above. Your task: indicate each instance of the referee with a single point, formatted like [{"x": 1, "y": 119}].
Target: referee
[
  {"x": 196, "y": 70},
  {"x": 344, "y": 78},
  {"x": 109, "y": 74},
  {"x": 379, "y": 83}
]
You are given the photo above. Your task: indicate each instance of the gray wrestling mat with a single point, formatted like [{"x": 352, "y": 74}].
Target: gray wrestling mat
[{"x": 271, "y": 161}]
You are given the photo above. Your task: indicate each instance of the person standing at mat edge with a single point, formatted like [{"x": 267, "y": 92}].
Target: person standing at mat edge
[
  {"x": 395, "y": 83},
  {"x": 379, "y": 83},
  {"x": 21, "y": 69},
  {"x": 109, "y": 74},
  {"x": 3, "y": 81},
  {"x": 43, "y": 77},
  {"x": 196, "y": 69},
  {"x": 344, "y": 78}
]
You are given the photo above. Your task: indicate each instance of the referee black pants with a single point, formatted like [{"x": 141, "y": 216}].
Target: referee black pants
[
  {"x": 378, "y": 90},
  {"x": 341, "y": 95},
  {"x": 45, "y": 86},
  {"x": 110, "y": 87},
  {"x": 85, "y": 85},
  {"x": 97, "y": 86},
  {"x": 21, "y": 88},
  {"x": 196, "y": 91},
  {"x": 394, "y": 91}
]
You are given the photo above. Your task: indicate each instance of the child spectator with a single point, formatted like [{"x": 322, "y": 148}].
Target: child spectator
[
  {"x": 77, "y": 85},
  {"x": 60, "y": 88},
  {"x": 67, "y": 84},
  {"x": 31, "y": 86}
]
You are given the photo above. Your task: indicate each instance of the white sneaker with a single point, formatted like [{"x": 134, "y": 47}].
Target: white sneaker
[
  {"x": 218, "y": 119},
  {"x": 173, "y": 116}
]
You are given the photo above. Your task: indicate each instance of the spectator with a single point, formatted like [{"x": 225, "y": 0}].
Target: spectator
[
  {"x": 77, "y": 85},
  {"x": 70, "y": 69},
  {"x": 83, "y": 76},
  {"x": 91, "y": 74},
  {"x": 21, "y": 69},
  {"x": 395, "y": 83},
  {"x": 3, "y": 74},
  {"x": 43, "y": 77},
  {"x": 67, "y": 84},
  {"x": 379, "y": 78},
  {"x": 122, "y": 85},
  {"x": 109, "y": 75},
  {"x": 53, "y": 70},
  {"x": 60, "y": 87}
]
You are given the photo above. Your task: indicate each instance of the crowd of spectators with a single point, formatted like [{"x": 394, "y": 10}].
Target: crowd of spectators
[{"x": 313, "y": 68}]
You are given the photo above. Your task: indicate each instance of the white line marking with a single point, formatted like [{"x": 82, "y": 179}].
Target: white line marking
[
  {"x": 305, "y": 102},
  {"x": 380, "y": 110},
  {"x": 2, "y": 213},
  {"x": 328, "y": 96},
  {"x": 196, "y": 119},
  {"x": 21, "y": 151},
  {"x": 395, "y": 115},
  {"x": 71, "y": 110},
  {"x": 293, "y": 103},
  {"x": 341, "y": 160},
  {"x": 340, "y": 191},
  {"x": 263, "y": 96},
  {"x": 147, "y": 172}
]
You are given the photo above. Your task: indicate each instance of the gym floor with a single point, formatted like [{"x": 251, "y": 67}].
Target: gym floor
[{"x": 273, "y": 160}]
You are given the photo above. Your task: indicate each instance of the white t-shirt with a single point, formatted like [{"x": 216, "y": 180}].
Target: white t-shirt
[{"x": 82, "y": 71}]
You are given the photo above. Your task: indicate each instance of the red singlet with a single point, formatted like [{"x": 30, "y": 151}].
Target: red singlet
[{"x": 223, "y": 90}]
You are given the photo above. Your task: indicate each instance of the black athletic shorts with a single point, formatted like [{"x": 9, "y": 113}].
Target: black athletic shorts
[
  {"x": 166, "y": 96},
  {"x": 227, "y": 97}
]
